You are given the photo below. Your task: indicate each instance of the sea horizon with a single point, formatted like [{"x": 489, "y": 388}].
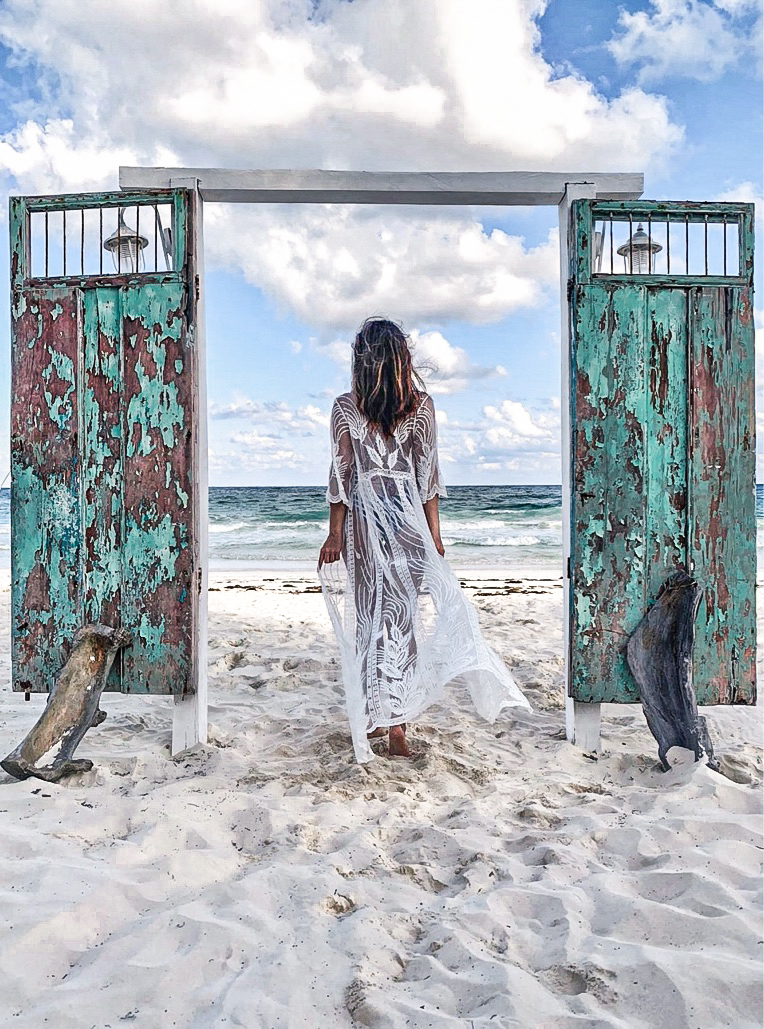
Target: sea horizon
[{"x": 508, "y": 528}]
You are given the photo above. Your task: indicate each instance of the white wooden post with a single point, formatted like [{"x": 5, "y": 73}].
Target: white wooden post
[
  {"x": 582, "y": 721},
  {"x": 189, "y": 721}
]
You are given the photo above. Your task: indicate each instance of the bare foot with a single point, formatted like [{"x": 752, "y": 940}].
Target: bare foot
[
  {"x": 396, "y": 744},
  {"x": 376, "y": 733}
]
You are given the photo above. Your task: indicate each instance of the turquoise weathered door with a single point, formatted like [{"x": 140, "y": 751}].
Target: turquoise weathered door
[
  {"x": 105, "y": 502},
  {"x": 663, "y": 437}
]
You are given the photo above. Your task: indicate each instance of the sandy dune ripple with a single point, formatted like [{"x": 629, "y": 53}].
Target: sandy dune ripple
[{"x": 498, "y": 879}]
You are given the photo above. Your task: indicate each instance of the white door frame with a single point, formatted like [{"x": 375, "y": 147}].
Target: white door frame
[{"x": 495, "y": 189}]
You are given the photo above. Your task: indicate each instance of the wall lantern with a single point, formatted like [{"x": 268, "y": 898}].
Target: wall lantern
[
  {"x": 639, "y": 253},
  {"x": 126, "y": 246}
]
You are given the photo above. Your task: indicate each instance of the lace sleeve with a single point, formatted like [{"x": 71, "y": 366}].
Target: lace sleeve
[
  {"x": 342, "y": 471},
  {"x": 428, "y": 477}
]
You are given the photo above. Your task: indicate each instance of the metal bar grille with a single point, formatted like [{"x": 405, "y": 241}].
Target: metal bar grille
[
  {"x": 85, "y": 240},
  {"x": 650, "y": 242}
]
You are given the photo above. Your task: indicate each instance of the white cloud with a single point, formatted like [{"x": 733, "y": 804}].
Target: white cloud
[
  {"x": 333, "y": 266},
  {"x": 53, "y": 157},
  {"x": 337, "y": 350},
  {"x": 688, "y": 38},
  {"x": 509, "y": 438},
  {"x": 251, "y": 436},
  {"x": 510, "y": 424},
  {"x": 741, "y": 193},
  {"x": 444, "y": 367},
  {"x": 378, "y": 84},
  {"x": 272, "y": 414},
  {"x": 746, "y": 193},
  {"x": 381, "y": 84},
  {"x": 255, "y": 451}
]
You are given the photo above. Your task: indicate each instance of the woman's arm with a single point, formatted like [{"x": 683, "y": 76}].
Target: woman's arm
[
  {"x": 332, "y": 548},
  {"x": 432, "y": 515}
]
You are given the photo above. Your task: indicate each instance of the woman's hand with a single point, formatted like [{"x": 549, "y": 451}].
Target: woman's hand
[
  {"x": 331, "y": 550},
  {"x": 433, "y": 522}
]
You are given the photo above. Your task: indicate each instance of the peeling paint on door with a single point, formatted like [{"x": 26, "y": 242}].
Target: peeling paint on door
[
  {"x": 104, "y": 387},
  {"x": 663, "y": 461}
]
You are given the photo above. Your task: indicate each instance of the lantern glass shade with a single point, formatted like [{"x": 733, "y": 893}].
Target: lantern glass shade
[
  {"x": 639, "y": 253},
  {"x": 126, "y": 247}
]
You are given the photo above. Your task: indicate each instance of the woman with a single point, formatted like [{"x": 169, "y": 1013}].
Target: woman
[{"x": 404, "y": 626}]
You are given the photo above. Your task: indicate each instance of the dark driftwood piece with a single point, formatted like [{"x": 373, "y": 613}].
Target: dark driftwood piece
[
  {"x": 72, "y": 708},
  {"x": 659, "y": 653}
]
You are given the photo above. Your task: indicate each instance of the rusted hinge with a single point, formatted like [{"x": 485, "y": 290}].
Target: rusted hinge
[
  {"x": 570, "y": 289},
  {"x": 197, "y": 286},
  {"x": 567, "y": 567},
  {"x": 198, "y": 580}
]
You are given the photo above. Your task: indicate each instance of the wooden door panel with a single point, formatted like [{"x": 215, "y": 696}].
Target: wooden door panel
[
  {"x": 663, "y": 456},
  {"x": 608, "y": 553},
  {"x": 46, "y": 474},
  {"x": 158, "y": 488},
  {"x": 665, "y": 492},
  {"x": 102, "y": 466},
  {"x": 723, "y": 499},
  {"x": 104, "y": 496}
]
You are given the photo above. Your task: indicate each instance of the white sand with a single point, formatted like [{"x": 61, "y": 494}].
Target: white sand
[{"x": 499, "y": 879}]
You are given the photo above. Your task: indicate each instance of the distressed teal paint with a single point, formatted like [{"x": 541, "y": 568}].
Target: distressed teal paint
[
  {"x": 722, "y": 514},
  {"x": 665, "y": 389},
  {"x": 662, "y": 470},
  {"x": 156, "y": 408},
  {"x": 158, "y": 544},
  {"x": 46, "y": 536},
  {"x": 60, "y": 379},
  {"x": 103, "y": 508},
  {"x": 102, "y": 493},
  {"x": 608, "y": 556},
  {"x": 150, "y": 552}
]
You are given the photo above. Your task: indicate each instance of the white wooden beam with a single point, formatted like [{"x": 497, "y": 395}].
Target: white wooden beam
[
  {"x": 517, "y": 188},
  {"x": 189, "y": 721},
  {"x": 582, "y": 721}
]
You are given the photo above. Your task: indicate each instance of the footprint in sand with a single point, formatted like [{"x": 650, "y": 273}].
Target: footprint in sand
[{"x": 339, "y": 904}]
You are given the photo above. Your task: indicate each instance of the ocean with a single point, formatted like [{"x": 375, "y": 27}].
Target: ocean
[{"x": 507, "y": 527}]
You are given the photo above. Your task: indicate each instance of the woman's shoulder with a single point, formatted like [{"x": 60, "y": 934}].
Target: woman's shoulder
[
  {"x": 345, "y": 400},
  {"x": 344, "y": 403},
  {"x": 346, "y": 410}
]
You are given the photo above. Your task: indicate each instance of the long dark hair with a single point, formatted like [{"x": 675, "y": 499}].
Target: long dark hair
[{"x": 385, "y": 385}]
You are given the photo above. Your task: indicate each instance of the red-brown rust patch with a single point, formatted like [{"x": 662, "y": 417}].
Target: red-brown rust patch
[
  {"x": 746, "y": 308},
  {"x": 678, "y": 500},
  {"x": 584, "y": 409},
  {"x": 37, "y": 590},
  {"x": 722, "y": 590}
]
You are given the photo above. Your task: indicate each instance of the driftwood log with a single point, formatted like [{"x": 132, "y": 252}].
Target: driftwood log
[
  {"x": 659, "y": 653},
  {"x": 72, "y": 708}
]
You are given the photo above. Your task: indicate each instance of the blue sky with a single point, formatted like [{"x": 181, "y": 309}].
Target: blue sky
[{"x": 668, "y": 87}]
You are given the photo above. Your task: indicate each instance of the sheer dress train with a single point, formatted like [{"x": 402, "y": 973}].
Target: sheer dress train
[{"x": 404, "y": 627}]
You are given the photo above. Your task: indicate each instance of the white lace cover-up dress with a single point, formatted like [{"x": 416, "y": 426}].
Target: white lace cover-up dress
[{"x": 404, "y": 627}]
